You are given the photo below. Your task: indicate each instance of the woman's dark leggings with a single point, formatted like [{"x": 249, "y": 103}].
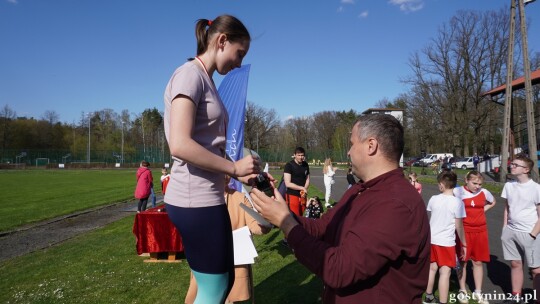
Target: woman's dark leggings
[
  {"x": 208, "y": 246},
  {"x": 142, "y": 204}
]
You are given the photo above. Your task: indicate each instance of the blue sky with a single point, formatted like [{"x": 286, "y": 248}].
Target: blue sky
[{"x": 307, "y": 56}]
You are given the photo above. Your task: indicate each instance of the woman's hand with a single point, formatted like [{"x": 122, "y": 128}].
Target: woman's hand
[
  {"x": 250, "y": 179},
  {"x": 246, "y": 166}
]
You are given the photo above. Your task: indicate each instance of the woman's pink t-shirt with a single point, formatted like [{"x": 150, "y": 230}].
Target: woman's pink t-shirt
[{"x": 189, "y": 185}]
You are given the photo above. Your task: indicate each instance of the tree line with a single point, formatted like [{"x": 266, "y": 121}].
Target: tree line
[{"x": 443, "y": 103}]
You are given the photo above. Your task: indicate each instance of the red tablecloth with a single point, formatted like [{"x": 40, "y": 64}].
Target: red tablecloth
[{"x": 156, "y": 233}]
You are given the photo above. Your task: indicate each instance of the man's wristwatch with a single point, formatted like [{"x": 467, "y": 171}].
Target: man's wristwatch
[{"x": 534, "y": 238}]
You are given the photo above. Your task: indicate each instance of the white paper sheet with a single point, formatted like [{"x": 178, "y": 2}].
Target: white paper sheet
[{"x": 244, "y": 249}]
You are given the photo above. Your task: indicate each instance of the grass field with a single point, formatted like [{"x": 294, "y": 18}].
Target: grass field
[
  {"x": 35, "y": 195},
  {"x": 103, "y": 267}
]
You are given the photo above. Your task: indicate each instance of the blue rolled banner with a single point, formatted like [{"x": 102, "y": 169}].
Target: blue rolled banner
[{"x": 233, "y": 93}]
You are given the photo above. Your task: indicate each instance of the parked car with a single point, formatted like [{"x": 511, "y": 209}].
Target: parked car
[
  {"x": 412, "y": 161},
  {"x": 464, "y": 163},
  {"x": 430, "y": 158}
]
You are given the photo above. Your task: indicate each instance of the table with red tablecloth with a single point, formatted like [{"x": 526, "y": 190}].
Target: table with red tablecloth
[{"x": 155, "y": 233}]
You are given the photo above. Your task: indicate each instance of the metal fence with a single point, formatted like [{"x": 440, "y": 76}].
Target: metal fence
[{"x": 44, "y": 157}]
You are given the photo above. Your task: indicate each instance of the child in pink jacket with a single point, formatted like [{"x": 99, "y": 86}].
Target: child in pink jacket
[{"x": 144, "y": 185}]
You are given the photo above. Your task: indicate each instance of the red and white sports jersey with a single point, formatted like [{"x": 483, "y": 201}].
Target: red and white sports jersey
[{"x": 474, "y": 207}]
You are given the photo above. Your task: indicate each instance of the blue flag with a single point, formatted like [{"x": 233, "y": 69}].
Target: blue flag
[{"x": 233, "y": 93}]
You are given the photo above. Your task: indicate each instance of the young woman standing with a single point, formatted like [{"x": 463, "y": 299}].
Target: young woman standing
[
  {"x": 329, "y": 171},
  {"x": 196, "y": 128}
]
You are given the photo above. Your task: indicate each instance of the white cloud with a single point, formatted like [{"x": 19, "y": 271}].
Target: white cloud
[
  {"x": 346, "y": 2},
  {"x": 408, "y": 5},
  {"x": 12, "y": 1},
  {"x": 363, "y": 14}
]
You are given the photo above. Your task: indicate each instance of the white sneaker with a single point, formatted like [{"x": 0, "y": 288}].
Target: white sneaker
[
  {"x": 479, "y": 298},
  {"x": 462, "y": 297}
]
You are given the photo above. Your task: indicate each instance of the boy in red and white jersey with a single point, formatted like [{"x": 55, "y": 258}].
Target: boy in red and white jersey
[{"x": 477, "y": 201}]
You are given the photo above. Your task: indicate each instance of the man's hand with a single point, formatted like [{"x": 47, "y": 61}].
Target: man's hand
[{"x": 274, "y": 209}]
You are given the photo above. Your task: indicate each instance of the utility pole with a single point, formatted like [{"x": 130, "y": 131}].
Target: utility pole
[
  {"x": 531, "y": 126},
  {"x": 508, "y": 94}
]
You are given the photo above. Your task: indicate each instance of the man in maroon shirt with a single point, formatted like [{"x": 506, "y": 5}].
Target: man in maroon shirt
[{"x": 374, "y": 246}]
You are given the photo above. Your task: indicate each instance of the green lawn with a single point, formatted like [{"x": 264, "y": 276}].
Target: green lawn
[
  {"x": 103, "y": 267},
  {"x": 35, "y": 195}
]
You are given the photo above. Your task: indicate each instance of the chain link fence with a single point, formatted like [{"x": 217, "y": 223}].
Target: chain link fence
[{"x": 110, "y": 158}]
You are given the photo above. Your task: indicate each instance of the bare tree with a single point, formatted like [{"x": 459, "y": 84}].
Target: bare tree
[
  {"x": 324, "y": 129},
  {"x": 51, "y": 117},
  {"x": 260, "y": 127},
  {"x": 299, "y": 130},
  {"x": 449, "y": 77},
  {"x": 7, "y": 115},
  {"x": 383, "y": 103}
]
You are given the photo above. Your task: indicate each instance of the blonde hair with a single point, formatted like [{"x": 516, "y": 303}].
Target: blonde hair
[
  {"x": 327, "y": 162},
  {"x": 474, "y": 174}
]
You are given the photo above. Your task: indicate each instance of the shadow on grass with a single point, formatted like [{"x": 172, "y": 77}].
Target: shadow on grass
[
  {"x": 499, "y": 274},
  {"x": 291, "y": 284}
]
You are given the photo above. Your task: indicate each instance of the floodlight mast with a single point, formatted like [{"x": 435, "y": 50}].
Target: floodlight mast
[
  {"x": 122, "y": 159},
  {"x": 88, "y": 152}
]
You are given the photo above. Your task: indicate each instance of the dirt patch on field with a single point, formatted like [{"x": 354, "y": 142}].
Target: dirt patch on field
[{"x": 51, "y": 232}]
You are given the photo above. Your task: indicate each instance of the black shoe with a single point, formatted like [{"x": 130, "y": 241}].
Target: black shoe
[{"x": 432, "y": 300}]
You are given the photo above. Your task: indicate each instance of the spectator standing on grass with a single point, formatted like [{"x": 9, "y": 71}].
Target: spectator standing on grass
[
  {"x": 373, "y": 246},
  {"x": 447, "y": 213},
  {"x": 165, "y": 177},
  {"x": 195, "y": 123},
  {"x": 243, "y": 283},
  {"x": 143, "y": 190},
  {"x": 296, "y": 177},
  {"x": 476, "y": 201},
  {"x": 475, "y": 160},
  {"x": 329, "y": 173},
  {"x": 445, "y": 162},
  {"x": 521, "y": 225}
]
